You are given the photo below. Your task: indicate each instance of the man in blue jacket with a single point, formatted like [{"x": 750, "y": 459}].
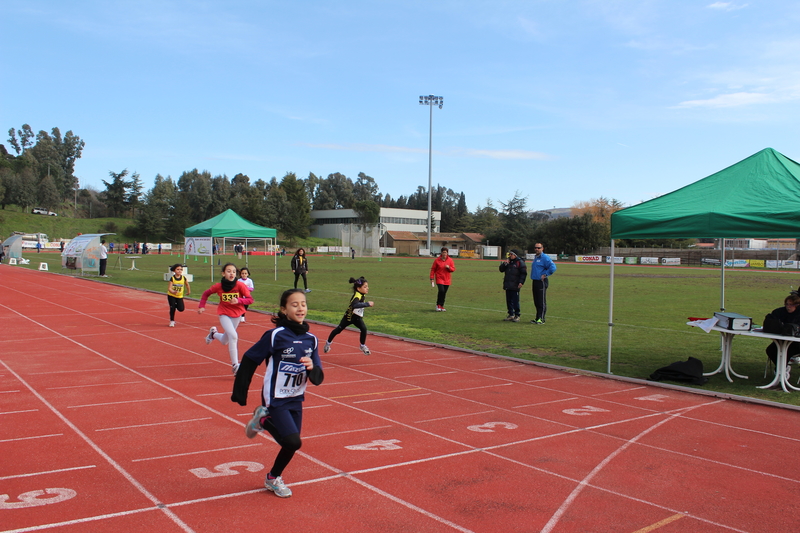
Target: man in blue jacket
[{"x": 542, "y": 267}]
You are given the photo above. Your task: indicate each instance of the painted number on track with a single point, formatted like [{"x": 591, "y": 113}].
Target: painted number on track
[
  {"x": 488, "y": 427},
  {"x": 377, "y": 445},
  {"x": 226, "y": 469},
  {"x": 33, "y": 498},
  {"x": 586, "y": 410}
]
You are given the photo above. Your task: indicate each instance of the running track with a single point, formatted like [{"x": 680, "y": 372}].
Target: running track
[{"x": 110, "y": 421}]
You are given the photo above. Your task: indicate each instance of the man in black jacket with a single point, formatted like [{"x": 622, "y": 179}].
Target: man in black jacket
[{"x": 514, "y": 277}]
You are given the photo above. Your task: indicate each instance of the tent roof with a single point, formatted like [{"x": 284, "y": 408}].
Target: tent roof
[
  {"x": 230, "y": 224},
  {"x": 756, "y": 197}
]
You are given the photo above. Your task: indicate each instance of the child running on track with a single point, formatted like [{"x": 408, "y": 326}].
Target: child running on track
[
  {"x": 233, "y": 296},
  {"x": 244, "y": 277},
  {"x": 354, "y": 314},
  {"x": 177, "y": 289},
  {"x": 292, "y": 358}
]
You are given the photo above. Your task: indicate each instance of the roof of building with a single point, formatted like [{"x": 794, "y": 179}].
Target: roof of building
[
  {"x": 474, "y": 237},
  {"x": 402, "y": 235}
]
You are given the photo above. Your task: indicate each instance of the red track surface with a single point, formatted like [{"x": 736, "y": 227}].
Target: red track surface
[{"x": 111, "y": 421}]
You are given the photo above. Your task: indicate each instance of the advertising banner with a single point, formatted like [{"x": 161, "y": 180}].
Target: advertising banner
[
  {"x": 616, "y": 259},
  {"x": 198, "y": 246},
  {"x": 648, "y": 260},
  {"x": 588, "y": 259},
  {"x": 670, "y": 260},
  {"x": 737, "y": 263},
  {"x": 757, "y": 263}
]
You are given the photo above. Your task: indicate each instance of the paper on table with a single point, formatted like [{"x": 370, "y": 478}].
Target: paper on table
[{"x": 706, "y": 324}]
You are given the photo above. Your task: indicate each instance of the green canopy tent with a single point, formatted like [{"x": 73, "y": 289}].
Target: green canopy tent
[
  {"x": 229, "y": 226},
  {"x": 756, "y": 197}
]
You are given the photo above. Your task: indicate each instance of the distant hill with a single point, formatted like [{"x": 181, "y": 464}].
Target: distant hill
[{"x": 61, "y": 227}]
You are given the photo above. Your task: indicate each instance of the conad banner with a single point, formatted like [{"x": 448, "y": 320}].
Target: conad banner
[{"x": 588, "y": 259}]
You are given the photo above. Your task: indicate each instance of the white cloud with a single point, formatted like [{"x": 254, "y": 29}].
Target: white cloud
[
  {"x": 729, "y": 100},
  {"x": 726, "y": 6}
]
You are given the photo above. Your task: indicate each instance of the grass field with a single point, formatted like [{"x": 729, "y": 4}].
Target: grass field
[
  {"x": 651, "y": 307},
  {"x": 60, "y": 227}
]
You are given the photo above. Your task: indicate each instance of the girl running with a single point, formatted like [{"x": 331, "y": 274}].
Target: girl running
[
  {"x": 233, "y": 296},
  {"x": 177, "y": 289},
  {"x": 354, "y": 314},
  {"x": 244, "y": 277},
  {"x": 441, "y": 271},
  {"x": 292, "y": 358}
]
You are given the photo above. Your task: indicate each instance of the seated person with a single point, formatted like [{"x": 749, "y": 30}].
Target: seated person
[{"x": 788, "y": 314}]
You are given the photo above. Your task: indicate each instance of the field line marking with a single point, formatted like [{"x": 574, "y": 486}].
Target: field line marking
[
  {"x": 156, "y": 424},
  {"x": 32, "y": 474},
  {"x": 659, "y": 524},
  {"x": 34, "y": 437},
  {"x": 198, "y": 452},
  {"x": 373, "y": 393}
]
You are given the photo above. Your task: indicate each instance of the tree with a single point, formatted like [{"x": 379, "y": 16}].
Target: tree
[
  {"x": 47, "y": 194},
  {"x": 134, "y": 192},
  {"x": 369, "y": 212},
  {"x": 116, "y": 192},
  {"x": 515, "y": 224},
  {"x": 299, "y": 207},
  {"x": 334, "y": 192},
  {"x": 365, "y": 188}
]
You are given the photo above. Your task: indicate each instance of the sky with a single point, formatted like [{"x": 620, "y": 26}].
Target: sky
[{"x": 556, "y": 101}]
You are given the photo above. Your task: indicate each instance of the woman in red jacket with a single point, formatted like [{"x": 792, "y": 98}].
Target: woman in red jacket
[
  {"x": 441, "y": 269},
  {"x": 233, "y": 296}
]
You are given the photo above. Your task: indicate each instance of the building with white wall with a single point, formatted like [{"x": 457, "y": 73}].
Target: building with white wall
[{"x": 327, "y": 224}]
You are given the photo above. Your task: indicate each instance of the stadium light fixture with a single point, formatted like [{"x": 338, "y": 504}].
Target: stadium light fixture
[{"x": 430, "y": 101}]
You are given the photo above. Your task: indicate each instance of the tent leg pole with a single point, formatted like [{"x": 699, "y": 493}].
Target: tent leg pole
[{"x": 610, "y": 309}]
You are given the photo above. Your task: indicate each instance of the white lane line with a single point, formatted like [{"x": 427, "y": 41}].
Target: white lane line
[
  {"x": 93, "y": 385},
  {"x": 119, "y": 403},
  {"x": 199, "y": 452},
  {"x": 34, "y": 437},
  {"x": 32, "y": 474},
  {"x": 69, "y": 371},
  {"x": 560, "y": 400},
  {"x": 343, "y": 432},
  {"x": 618, "y": 391},
  {"x": 17, "y": 412},
  {"x": 199, "y": 377},
  {"x": 393, "y": 398},
  {"x": 434, "y": 374},
  {"x": 176, "y": 364},
  {"x": 483, "y": 387},
  {"x": 454, "y": 416},
  {"x": 8, "y": 391},
  {"x": 157, "y": 424}
]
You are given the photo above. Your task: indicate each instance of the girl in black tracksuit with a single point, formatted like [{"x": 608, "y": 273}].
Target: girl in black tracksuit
[
  {"x": 300, "y": 268},
  {"x": 354, "y": 314}
]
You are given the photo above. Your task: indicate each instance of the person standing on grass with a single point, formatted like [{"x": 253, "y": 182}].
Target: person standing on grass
[
  {"x": 233, "y": 296},
  {"x": 103, "y": 255},
  {"x": 514, "y": 274},
  {"x": 244, "y": 277},
  {"x": 177, "y": 289},
  {"x": 292, "y": 360},
  {"x": 542, "y": 267},
  {"x": 354, "y": 314},
  {"x": 300, "y": 268},
  {"x": 441, "y": 271}
]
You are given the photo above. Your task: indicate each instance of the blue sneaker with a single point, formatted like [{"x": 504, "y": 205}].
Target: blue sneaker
[{"x": 253, "y": 427}]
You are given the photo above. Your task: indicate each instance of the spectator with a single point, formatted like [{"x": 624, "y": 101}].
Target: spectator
[
  {"x": 514, "y": 276},
  {"x": 542, "y": 267}
]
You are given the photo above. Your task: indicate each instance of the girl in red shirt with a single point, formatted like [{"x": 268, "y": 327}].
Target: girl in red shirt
[
  {"x": 233, "y": 296},
  {"x": 441, "y": 269}
]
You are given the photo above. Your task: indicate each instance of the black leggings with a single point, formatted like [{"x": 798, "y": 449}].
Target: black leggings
[
  {"x": 297, "y": 276},
  {"x": 442, "y": 294},
  {"x": 289, "y": 445},
  {"x": 356, "y": 321},
  {"x": 174, "y": 303}
]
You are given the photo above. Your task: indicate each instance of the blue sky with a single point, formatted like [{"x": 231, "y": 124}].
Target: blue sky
[{"x": 563, "y": 101}]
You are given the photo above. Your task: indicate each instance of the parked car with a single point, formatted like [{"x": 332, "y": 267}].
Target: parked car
[{"x": 43, "y": 211}]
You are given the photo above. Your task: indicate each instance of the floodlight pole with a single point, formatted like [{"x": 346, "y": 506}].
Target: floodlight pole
[{"x": 430, "y": 101}]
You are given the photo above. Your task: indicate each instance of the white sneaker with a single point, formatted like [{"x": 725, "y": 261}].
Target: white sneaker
[
  {"x": 172, "y": 323},
  {"x": 277, "y": 486},
  {"x": 307, "y": 290},
  {"x": 327, "y": 347},
  {"x": 210, "y": 336},
  {"x": 365, "y": 349},
  {"x": 242, "y": 321}
]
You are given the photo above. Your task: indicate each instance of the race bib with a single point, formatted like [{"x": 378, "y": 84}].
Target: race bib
[
  {"x": 228, "y": 296},
  {"x": 291, "y": 380}
]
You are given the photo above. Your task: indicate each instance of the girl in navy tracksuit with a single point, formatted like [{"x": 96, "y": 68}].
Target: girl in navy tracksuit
[
  {"x": 354, "y": 314},
  {"x": 290, "y": 352}
]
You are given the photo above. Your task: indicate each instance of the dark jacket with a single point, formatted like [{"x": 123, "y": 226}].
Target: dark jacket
[
  {"x": 515, "y": 273},
  {"x": 298, "y": 266}
]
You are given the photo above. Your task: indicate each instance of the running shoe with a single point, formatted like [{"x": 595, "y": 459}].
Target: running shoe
[
  {"x": 172, "y": 323},
  {"x": 242, "y": 321},
  {"x": 253, "y": 427},
  {"x": 515, "y": 319},
  {"x": 438, "y": 307},
  {"x": 235, "y": 367},
  {"x": 277, "y": 486},
  {"x": 365, "y": 349},
  {"x": 210, "y": 336},
  {"x": 327, "y": 347},
  {"x": 509, "y": 318},
  {"x": 442, "y": 309},
  {"x": 290, "y": 492}
]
